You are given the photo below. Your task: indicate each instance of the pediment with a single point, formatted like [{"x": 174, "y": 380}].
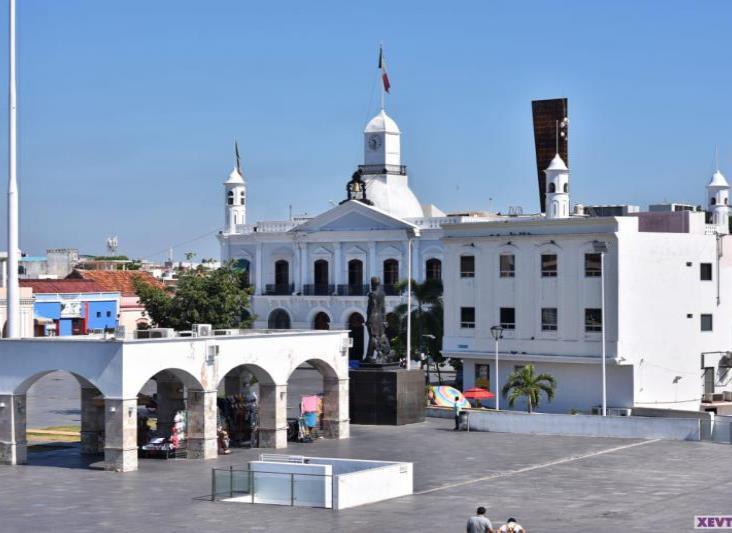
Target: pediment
[{"x": 354, "y": 216}]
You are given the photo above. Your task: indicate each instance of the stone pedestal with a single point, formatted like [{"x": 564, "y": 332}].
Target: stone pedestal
[
  {"x": 92, "y": 421},
  {"x": 272, "y": 416},
  {"x": 120, "y": 431},
  {"x": 387, "y": 396},
  {"x": 13, "y": 444},
  {"x": 336, "y": 422},
  {"x": 201, "y": 437}
]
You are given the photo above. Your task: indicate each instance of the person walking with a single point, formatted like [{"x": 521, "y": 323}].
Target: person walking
[
  {"x": 511, "y": 526},
  {"x": 456, "y": 409},
  {"x": 479, "y": 523}
]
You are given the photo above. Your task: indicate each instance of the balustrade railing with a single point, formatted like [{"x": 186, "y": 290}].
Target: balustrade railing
[
  {"x": 353, "y": 290},
  {"x": 279, "y": 289},
  {"x": 318, "y": 289}
]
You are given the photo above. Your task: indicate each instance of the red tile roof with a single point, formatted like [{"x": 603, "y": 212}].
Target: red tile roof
[
  {"x": 62, "y": 286},
  {"x": 116, "y": 280}
]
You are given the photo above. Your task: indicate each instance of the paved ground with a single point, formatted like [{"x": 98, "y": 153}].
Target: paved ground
[{"x": 549, "y": 483}]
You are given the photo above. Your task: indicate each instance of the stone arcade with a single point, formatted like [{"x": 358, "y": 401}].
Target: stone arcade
[{"x": 184, "y": 368}]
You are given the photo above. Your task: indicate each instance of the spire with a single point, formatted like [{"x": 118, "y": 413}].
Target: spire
[{"x": 236, "y": 153}]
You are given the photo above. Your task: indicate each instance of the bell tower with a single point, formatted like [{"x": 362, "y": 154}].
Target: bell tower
[
  {"x": 557, "y": 189},
  {"x": 381, "y": 145},
  {"x": 718, "y": 202},
  {"x": 235, "y": 197}
]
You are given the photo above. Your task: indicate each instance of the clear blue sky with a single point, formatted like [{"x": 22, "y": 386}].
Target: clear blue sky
[{"x": 128, "y": 109}]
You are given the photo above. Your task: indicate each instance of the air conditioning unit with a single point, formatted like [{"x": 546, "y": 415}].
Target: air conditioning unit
[
  {"x": 727, "y": 396},
  {"x": 202, "y": 330},
  {"x": 120, "y": 333},
  {"x": 155, "y": 333},
  {"x": 186, "y": 333},
  {"x": 225, "y": 332},
  {"x": 618, "y": 411}
]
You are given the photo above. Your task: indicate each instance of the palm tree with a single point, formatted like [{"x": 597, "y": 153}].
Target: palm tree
[{"x": 523, "y": 382}]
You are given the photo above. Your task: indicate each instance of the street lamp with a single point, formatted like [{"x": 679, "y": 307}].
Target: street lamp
[
  {"x": 600, "y": 247},
  {"x": 497, "y": 332}
]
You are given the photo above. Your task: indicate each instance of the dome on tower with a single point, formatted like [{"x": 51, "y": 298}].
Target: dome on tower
[
  {"x": 234, "y": 178},
  {"x": 557, "y": 164},
  {"x": 718, "y": 180},
  {"x": 394, "y": 198},
  {"x": 382, "y": 122}
]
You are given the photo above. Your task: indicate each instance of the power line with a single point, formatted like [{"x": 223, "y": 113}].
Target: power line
[{"x": 178, "y": 245}]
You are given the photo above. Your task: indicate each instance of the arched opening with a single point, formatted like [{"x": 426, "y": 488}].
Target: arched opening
[
  {"x": 321, "y": 321},
  {"x": 713, "y": 200},
  {"x": 355, "y": 277},
  {"x": 282, "y": 277},
  {"x": 230, "y": 198},
  {"x": 278, "y": 319},
  {"x": 391, "y": 276},
  {"x": 552, "y": 188},
  {"x": 356, "y": 332},
  {"x": 320, "y": 277},
  {"x": 243, "y": 267},
  {"x": 64, "y": 420},
  {"x": 433, "y": 269},
  {"x": 566, "y": 187}
]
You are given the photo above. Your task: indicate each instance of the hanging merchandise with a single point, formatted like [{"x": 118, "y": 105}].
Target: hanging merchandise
[{"x": 238, "y": 416}]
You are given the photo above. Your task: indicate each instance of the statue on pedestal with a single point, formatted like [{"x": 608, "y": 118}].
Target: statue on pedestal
[{"x": 379, "y": 350}]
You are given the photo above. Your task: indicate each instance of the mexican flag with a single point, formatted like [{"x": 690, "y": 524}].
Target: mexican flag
[{"x": 382, "y": 67}]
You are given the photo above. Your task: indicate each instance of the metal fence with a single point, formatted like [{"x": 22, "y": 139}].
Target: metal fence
[{"x": 277, "y": 488}]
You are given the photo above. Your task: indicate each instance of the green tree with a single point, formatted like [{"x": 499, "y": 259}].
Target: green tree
[
  {"x": 427, "y": 329},
  {"x": 217, "y": 297},
  {"x": 524, "y": 383}
]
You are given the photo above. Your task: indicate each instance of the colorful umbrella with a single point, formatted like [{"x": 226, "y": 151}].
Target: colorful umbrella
[
  {"x": 444, "y": 396},
  {"x": 478, "y": 394}
]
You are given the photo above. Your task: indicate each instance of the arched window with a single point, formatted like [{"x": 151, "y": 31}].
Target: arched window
[
  {"x": 321, "y": 321},
  {"x": 242, "y": 266},
  {"x": 355, "y": 277},
  {"x": 278, "y": 319},
  {"x": 320, "y": 277},
  {"x": 566, "y": 187},
  {"x": 230, "y": 198},
  {"x": 552, "y": 188},
  {"x": 355, "y": 331},
  {"x": 282, "y": 277},
  {"x": 391, "y": 274},
  {"x": 714, "y": 200},
  {"x": 242, "y": 197},
  {"x": 433, "y": 269}
]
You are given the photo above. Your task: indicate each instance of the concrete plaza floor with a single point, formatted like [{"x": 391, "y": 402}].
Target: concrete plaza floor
[{"x": 547, "y": 482}]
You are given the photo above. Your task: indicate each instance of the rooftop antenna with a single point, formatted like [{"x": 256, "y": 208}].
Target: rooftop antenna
[{"x": 238, "y": 159}]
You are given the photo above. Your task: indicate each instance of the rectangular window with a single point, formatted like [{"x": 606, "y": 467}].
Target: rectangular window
[
  {"x": 109, "y": 313},
  {"x": 483, "y": 376},
  {"x": 705, "y": 271},
  {"x": 467, "y": 317},
  {"x": 593, "y": 320},
  {"x": 508, "y": 265},
  {"x": 549, "y": 319},
  {"x": 593, "y": 266},
  {"x": 508, "y": 317},
  {"x": 706, "y": 322},
  {"x": 548, "y": 265},
  {"x": 99, "y": 314},
  {"x": 467, "y": 266}
]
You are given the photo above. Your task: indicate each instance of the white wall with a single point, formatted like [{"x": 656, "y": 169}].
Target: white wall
[
  {"x": 304, "y": 485},
  {"x": 373, "y": 485}
]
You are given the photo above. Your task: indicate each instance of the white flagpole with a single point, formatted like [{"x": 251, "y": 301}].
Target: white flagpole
[
  {"x": 409, "y": 302},
  {"x": 13, "y": 289}
]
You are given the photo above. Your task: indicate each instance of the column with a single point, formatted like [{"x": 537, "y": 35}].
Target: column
[
  {"x": 336, "y": 422},
  {"x": 372, "y": 262},
  {"x": 13, "y": 444},
  {"x": 303, "y": 266},
  {"x": 416, "y": 261},
  {"x": 201, "y": 430},
  {"x": 296, "y": 272},
  {"x": 258, "y": 271},
  {"x": 120, "y": 435},
  {"x": 338, "y": 265},
  {"x": 170, "y": 399},
  {"x": 272, "y": 416},
  {"x": 92, "y": 421}
]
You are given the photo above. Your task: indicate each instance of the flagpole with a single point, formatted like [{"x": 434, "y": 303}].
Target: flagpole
[
  {"x": 381, "y": 72},
  {"x": 13, "y": 289}
]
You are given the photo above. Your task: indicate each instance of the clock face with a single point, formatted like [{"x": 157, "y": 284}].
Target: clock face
[{"x": 374, "y": 142}]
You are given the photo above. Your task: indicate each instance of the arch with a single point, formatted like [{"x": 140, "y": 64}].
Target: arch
[
  {"x": 713, "y": 200},
  {"x": 27, "y": 383},
  {"x": 355, "y": 274},
  {"x": 356, "y": 331},
  {"x": 279, "y": 319},
  {"x": 324, "y": 367},
  {"x": 184, "y": 376},
  {"x": 566, "y": 187},
  {"x": 321, "y": 321},
  {"x": 433, "y": 269},
  {"x": 230, "y": 198},
  {"x": 391, "y": 272},
  {"x": 263, "y": 377}
]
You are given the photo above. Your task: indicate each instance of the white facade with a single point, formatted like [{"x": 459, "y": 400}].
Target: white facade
[
  {"x": 718, "y": 202},
  {"x": 310, "y": 273},
  {"x": 662, "y": 292}
]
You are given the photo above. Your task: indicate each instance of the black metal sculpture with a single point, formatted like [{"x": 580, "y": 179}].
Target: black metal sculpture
[{"x": 379, "y": 350}]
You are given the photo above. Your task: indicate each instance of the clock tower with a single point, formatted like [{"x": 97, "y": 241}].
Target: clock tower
[{"x": 381, "y": 141}]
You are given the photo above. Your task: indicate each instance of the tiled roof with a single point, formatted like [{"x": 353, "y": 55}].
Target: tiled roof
[
  {"x": 116, "y": 280},
  {"x": 62, "y": 286}
]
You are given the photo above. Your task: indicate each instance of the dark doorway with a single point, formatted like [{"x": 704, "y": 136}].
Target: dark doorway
[
  {"x": 278, "y": 319},
  {"x": 356, "y": 332},
  {"x": 321, "y": 321},
  {"x": 282, "y": 276},
  {"x": 320, "y": 277},
  {"x": 355, "y": 277}
]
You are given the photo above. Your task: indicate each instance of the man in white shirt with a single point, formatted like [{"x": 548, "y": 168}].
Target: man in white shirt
[
  {"x": 511, "y": 526},
  {"x": 479, "y": 523}
]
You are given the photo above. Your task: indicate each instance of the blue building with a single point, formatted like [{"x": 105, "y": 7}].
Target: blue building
[{"x": 72, "y": 307}]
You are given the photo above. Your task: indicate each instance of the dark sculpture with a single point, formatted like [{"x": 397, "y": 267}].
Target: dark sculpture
[
  {"x": 356, "y": 189},
  {"x": 379, "y": 350}
]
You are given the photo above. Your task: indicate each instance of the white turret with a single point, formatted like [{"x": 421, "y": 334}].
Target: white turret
[
  {"x": 557, "y": 189},
  {"x": 235, "y": 198},
  {"x": 718, "y": 200}
]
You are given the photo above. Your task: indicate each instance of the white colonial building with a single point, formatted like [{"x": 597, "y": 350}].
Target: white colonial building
[
  {"x": 667, "y": 311},
  {"x": 314, "y": 273}
]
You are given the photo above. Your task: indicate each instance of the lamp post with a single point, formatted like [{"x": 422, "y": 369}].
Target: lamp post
[
  {"x": 497, "y": 332},
  {"x": 600, "y": 247}
]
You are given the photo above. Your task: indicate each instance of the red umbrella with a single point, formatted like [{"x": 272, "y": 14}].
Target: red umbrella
[{"x": 478, "y": 394}]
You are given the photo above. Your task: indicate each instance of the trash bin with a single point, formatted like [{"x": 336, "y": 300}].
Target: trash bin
[{"x": 464, "y": 422}]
